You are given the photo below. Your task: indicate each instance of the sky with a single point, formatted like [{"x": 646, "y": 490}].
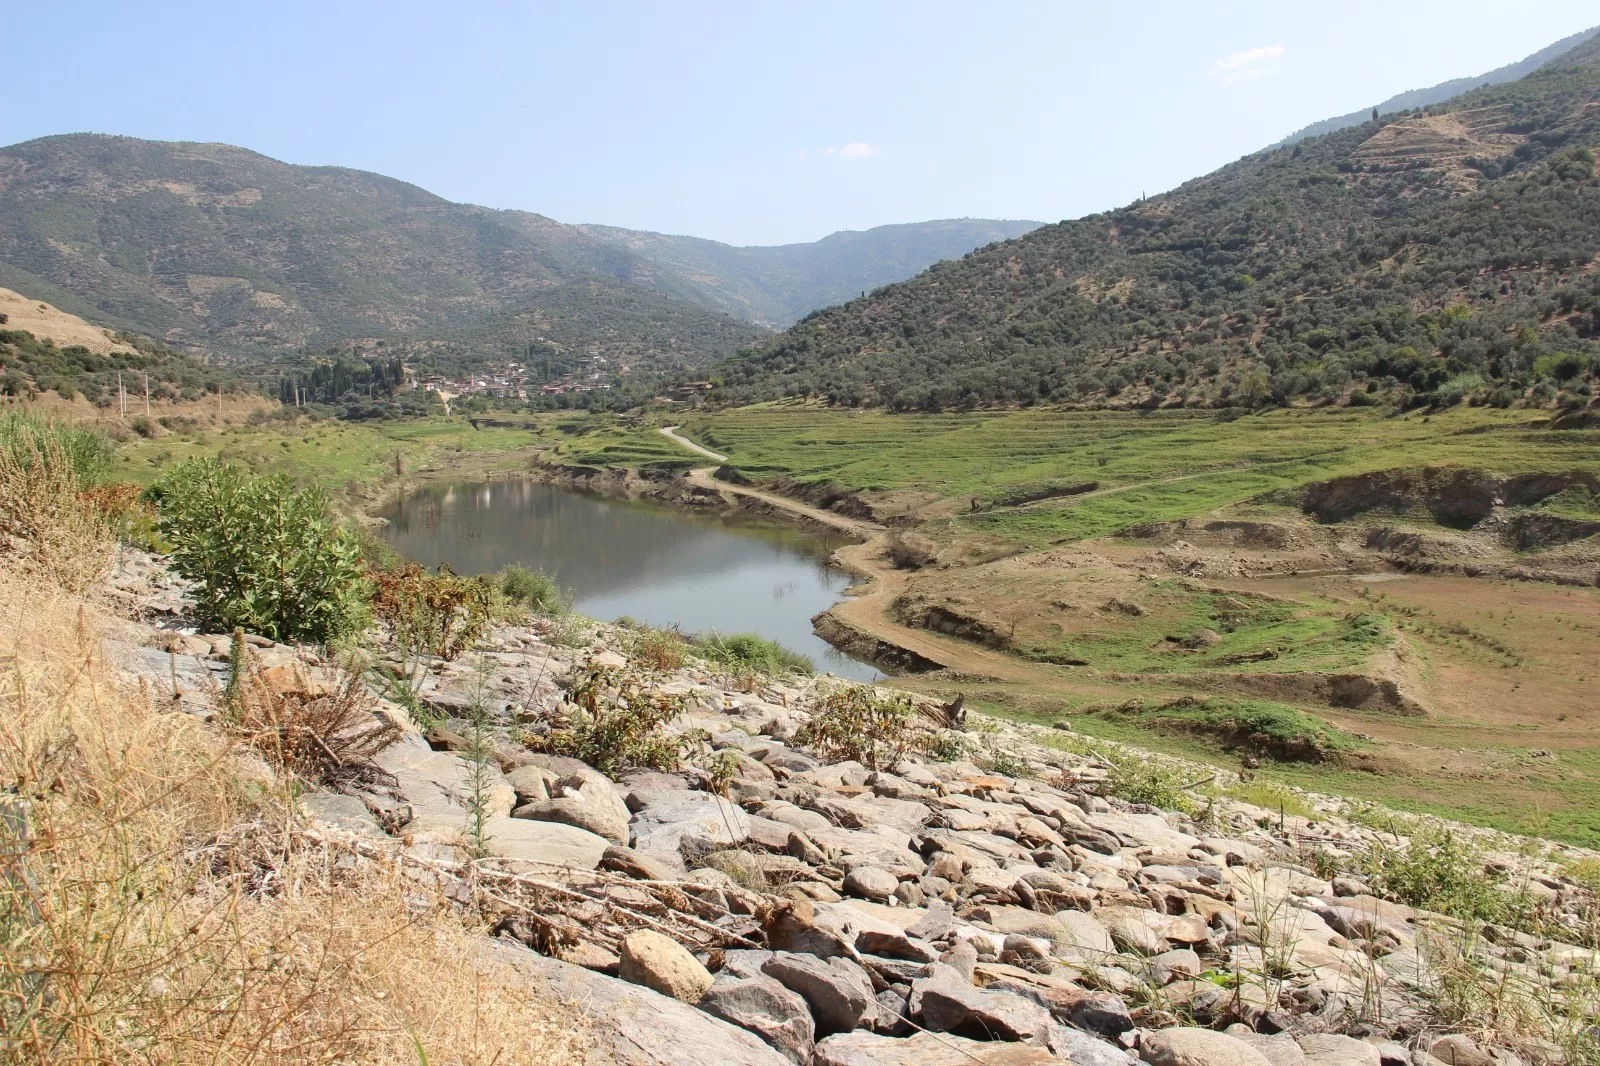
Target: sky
[{"x": 751, "y": 122}]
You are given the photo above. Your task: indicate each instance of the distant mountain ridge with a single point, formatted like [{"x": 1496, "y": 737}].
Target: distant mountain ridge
[
  {"x": 1416, "y": 98},
  {"x": 217, "y": 247}
]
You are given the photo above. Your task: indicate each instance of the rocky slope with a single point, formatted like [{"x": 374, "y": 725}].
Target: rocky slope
[{"x": 1008, "y": 903}]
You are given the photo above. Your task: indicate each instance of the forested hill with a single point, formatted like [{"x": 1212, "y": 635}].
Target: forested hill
[
  {"x": 1446, "y": 253},
  {"x": 220, "y": 248},
  {"x": 1434, "y": 94}
]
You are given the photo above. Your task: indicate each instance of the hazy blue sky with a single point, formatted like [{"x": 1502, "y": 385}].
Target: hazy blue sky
[{"x": 751, "y": 122}]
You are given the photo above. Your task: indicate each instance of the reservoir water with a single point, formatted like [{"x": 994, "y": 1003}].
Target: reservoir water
[{"x": 653, "y": 563}]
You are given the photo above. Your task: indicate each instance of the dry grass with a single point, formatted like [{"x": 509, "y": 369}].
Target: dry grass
[
  {"x": 323, "y": 733},
  {"x": 151, "y": 913},
  {"x": 47, "y": 517}
]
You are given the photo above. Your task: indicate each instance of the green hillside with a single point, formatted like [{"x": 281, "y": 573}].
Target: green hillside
[
  {"x": 219, "y": 248},
  {"x": 1443, "y": 254}
]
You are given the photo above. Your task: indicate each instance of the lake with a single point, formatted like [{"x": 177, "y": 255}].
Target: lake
[{"x": 655, "y": 564}]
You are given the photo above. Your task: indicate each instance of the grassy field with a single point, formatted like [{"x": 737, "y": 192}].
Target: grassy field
[
  {"x": 1148, "y": 466},
  {"x": 343, "y": 457}
]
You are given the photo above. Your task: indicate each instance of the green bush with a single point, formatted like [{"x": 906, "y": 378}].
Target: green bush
[
  {"x": 534, "y": 589},
  {"x": 616, "y": 719},
  {"x": 266, "y": 556},
  {"x": 747, "y": 650},
  {"x": 873, "y": 728},
  {"x": 1439, "y": 871}
]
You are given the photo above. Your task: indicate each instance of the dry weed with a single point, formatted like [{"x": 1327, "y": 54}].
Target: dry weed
[
  {"x": 149, "y": 912},
  {"x": 46, "y": 516},
  {"x": 322, "y": 733}
]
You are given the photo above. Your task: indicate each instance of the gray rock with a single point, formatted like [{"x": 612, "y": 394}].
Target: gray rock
[
  {"x": 642, "y": 1027},
  {"x": 1332, "y": 1049},
  {"x": 1081, "y": 1049},
  {"x": 979, "y": 1014},
  {"x": 766, "y": 1008},
  {"x": 1186, "y": 1046},
  {"x": 870, "y": 882},
  {"x": 348, "y": 813},
  {"x": 924, "y": 1049},
  {"x": 664, "y": 819},
  {"x": 838, "y": 991}
]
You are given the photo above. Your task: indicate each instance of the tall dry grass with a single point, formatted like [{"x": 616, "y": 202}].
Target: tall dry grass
[
  {"x": 47, "y": 517},
  {"x": 153, "y": 910}
]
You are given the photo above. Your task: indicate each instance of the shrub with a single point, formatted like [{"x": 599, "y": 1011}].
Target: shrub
[
  {"x": 534, "y": 589},
  {"x": 754, "y": 652},
  {"x": 875, "y": 729},
  {"x": 46, "y": 472},
  {"x": 441, "y": 614},
  {"x": 1141, "y": 780},
  {"x": 142, "y": 426},
  {"x": 1439, "y": 871},
  {"x": 265, "y": 556},
  {"x": 614, "y": 719},
  {"x": 659, "y": 649}
]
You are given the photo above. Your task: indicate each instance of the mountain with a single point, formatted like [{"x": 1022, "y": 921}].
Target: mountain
[
  {"x": 1416, "y": 98},
  {"x": 216, "y": 247},
  {"x": 777, "y": 285},
  {"x": 1450, "y": 251}
]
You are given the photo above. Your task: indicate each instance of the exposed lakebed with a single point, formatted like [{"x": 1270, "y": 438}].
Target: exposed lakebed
[{"x": 653, "y": 563}]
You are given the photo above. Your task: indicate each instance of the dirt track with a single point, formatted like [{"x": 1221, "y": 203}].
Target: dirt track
[{"x": 868, "y": 612}]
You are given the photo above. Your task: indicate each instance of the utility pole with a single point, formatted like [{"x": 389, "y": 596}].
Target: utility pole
[
  {"x": 219, "y": 401},
  {"x": 147, "y": 395},
  {"x": 122, "y": 398}
]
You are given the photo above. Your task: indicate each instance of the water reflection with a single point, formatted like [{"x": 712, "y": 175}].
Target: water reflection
[{"x": 657, "y": 564}]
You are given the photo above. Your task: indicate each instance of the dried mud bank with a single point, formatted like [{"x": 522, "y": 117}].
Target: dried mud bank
[{"x": 1002, "y": 901}]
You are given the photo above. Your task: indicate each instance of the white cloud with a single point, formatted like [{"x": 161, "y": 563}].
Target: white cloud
[
  {"x": 855, "y": 150},
  {"x": 1247, "y": 65}
]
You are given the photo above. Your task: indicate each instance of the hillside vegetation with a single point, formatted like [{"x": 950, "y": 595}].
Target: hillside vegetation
[
  {"x": 1440, "y": 255},
  {"x": 220, "y": 248}
]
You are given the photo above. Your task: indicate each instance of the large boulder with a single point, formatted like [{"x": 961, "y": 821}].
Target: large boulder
[
  {"x": 1186, "y": 1046},
  {"x": 947, "y": 1007},
  {"x": 585, "y": 799},
  {"x": 763, "y": 1006},
  {"x": 1333, "y": 1049},
  {"x": 924, "y": 1049},
  {"x": 838, "y": 991},
  {"x": 657, "y": 961},
  {"x": 664, "y": 819},
  {"x": 637, "y": 1026}
]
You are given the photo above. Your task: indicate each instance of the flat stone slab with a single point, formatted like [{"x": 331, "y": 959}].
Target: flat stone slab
[{"x": 634, "y": 1026}]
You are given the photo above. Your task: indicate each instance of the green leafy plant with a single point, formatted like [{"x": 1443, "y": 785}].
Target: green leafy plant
[
  {"x": 614, "y": 719},
  {"x": 533, "y": 589},
  {"x": 264, "y": 555},
  {"x": 1439, "y": 870},
  {"x": 441, "y": 614},
  {"x": 873, "y": 728},
  {"x": 749, "y": 651}
]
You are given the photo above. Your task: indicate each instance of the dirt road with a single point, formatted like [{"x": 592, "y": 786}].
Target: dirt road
[{"x": 868, "y": 612}]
